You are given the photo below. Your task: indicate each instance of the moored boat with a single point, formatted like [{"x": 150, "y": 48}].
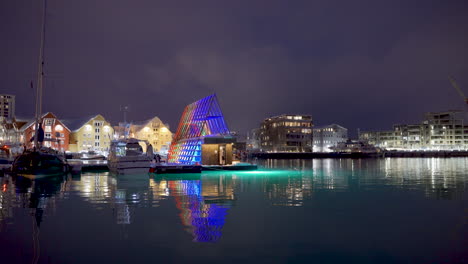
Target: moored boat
[
  {"x": 40, "y": 163},
  {"x": 127, "y": 156}
]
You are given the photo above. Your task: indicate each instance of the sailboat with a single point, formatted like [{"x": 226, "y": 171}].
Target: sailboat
[{"x": 39, "y": 161}]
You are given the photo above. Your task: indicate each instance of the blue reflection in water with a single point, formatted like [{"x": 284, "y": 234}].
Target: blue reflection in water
[{"x": 204, "y": 220}]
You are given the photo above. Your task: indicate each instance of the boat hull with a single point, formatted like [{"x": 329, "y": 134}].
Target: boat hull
[
  {"x": 39, "y": 175},
  {"x": 35, "y": 165},
  {"x": 129, "y": 167}
]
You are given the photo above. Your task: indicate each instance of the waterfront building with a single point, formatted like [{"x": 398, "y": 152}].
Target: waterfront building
[
  {"x": 155, "y": 132},
  {"x": 7, "y": 106},
  {"x": 286, "y": 133},
  {"x": 9, "y": 132},
  {"x": 202, "y": 136},
  {"x": 327, "y": 137},
  {"x": 90, "y": 134},
  {"x": 56, "y": 133},
  {"x": 122, "y": 130},
  {"x": 438, "y": 131},
  {"x": 253, "y": 140}
]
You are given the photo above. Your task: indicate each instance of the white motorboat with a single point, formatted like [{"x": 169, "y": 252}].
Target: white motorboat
[{"x": 126, "y": 156}]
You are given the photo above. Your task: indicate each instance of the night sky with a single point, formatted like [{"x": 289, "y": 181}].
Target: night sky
[{"x": 361, "y": 64}]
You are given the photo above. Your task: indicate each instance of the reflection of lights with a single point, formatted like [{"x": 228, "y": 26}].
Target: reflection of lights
[
  {"x": 4, "y": 187},
  {"x": 205, "y": 220},
  {"x": 262, "y": 172}
]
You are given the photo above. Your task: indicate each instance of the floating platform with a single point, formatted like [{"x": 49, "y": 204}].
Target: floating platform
[
  {"x": 235, "y": 167},
  {"x": 176, "y": 168},
  {"x": 78, "y": 165}
]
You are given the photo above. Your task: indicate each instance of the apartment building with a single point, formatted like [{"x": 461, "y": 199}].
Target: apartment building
[
  {"x": 286, "y": 133},
  {"x": 7, "y": 106},
  {"x": 438, "y": 131},
  {"x": 327, "y": 137}
]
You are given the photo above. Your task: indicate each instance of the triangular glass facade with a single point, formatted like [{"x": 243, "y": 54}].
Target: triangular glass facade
[{"x": 199, "y": 119}]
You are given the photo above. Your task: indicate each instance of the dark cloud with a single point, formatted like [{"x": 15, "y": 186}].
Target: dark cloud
[{"x": 363, "y": 64}]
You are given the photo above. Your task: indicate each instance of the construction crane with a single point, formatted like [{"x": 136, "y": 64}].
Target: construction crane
[{"x": 460, "y": 92}]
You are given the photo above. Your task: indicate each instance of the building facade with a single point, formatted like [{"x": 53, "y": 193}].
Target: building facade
[
  {"x": 327, "y": 137},
  {"x": 155, "y": 132},
  {"x": 56, "y": 134},
  {"x": 286, "y": 133},
  {"x": 90, "y": 134},
  {"x": 10, "y": 134},
  {"x": 7, "y": 106},
  {"x": 202, "y": 135},
  {"x": 253, "y": 140},
  {"x": 438, "y": 131}
]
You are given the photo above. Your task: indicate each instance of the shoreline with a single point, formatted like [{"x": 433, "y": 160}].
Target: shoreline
[{"x": 386, "y": 154}]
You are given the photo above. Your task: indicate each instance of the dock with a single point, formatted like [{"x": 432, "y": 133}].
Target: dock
[
  {"x": 176, "y": 168},
  {"x": 234, "y": 167},
  {"x": 78, "y": 165}
]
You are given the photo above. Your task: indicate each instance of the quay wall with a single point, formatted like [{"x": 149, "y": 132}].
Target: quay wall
[{"x": 385, "y": 154}]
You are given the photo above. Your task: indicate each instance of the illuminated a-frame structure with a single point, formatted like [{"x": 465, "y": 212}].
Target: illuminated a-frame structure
[{"x": 202, "y": 135}]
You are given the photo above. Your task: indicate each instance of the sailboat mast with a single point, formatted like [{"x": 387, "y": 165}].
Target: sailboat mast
[{"x": 40, "y": 77}]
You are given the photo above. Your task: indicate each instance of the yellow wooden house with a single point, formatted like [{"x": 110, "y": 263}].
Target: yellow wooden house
[
  {"x": 90, "y": 134},
  {"x": 155, "y": 132}
]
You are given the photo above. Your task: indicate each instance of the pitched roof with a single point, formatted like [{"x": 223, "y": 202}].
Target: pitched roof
[
  {"x": 142, "y": 123},
  {"x": 76, "y": 123},
  {"x": 33, "y": 120},
  {"x": 202, "y": 118}
]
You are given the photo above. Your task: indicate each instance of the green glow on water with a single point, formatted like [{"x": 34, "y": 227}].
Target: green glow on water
[{"x": 260, "y": 173}]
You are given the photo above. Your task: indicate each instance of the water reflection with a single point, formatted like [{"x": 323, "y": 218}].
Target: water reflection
[
  {"x": 19, "y": 192},
  {"x": 202, "y": 204},
  {"x": 440, "y": 178},
  {"x": 205, "y": 201},
  {"x": 39, "y": 197}
]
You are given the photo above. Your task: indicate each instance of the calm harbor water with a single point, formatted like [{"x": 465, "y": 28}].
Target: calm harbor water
[{"x": 393, "y": 210}]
